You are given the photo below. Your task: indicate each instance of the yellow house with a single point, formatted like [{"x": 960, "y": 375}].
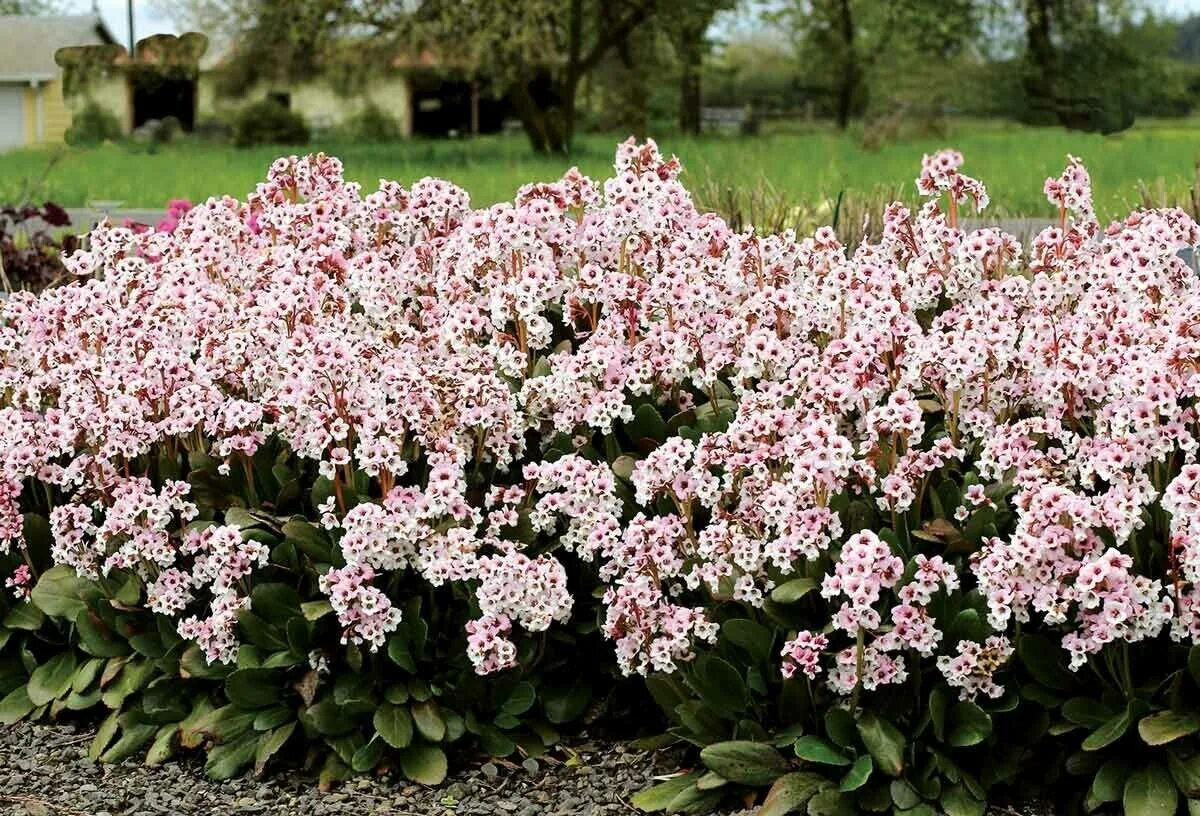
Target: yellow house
[{"x": 32, "y": 108}]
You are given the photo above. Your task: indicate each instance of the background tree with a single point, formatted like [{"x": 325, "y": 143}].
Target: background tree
[{"x": 688, "y": 29}]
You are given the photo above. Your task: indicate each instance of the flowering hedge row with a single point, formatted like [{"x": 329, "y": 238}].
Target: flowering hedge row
[{"x": 361, "y": 476}]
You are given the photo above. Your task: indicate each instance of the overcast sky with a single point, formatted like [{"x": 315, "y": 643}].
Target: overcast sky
[{"x": 149, "y": 19}]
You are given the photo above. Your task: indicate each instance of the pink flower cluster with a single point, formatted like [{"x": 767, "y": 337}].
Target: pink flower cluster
[{"x": 403, "y": 337}]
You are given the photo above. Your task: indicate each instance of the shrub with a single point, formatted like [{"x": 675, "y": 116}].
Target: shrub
[
  {"x": 373, "y": 475},
  {"x": 92, "y": 125},
  {"x": 269, "y": 122},
  {"x": 373, "y": 125}
]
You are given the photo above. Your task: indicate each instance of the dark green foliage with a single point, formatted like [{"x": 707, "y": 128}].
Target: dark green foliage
[
  {"x": 92, "y": 125},
  {"x": 269, "y": 122}
]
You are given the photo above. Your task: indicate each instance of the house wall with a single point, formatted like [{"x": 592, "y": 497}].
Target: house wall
[
  {"x": 322, "y": 105},
  {"x": 110, "y": 92},
  {"x": 54, "y": 117},
  {"x": 29, "y": 115}
]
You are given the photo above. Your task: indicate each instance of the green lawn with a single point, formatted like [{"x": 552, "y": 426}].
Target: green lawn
[{"x": 803, "y": 166}]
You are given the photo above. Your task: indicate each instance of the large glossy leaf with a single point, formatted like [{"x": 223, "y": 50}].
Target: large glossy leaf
[
  {"x": 1110, "y": 732},
  {"x": 812, "y": 748},
  {"x": 658, "y": 797},
  {"x": 858, "y": 774},
  {"x": 394, "y": 724},
  {"x": 719, "y": 684},
  {"x": 793, "y": 590},
  {"x": 134, "y": 737},
  {"x": 1167, "y": 726},
  {"x": 229, "y": 759},
  {"x": 424, "y": 763},
  {"x": 254, "y": 688},
  {"x": 1150, "y": 791},
  {"x": 269, "y": 744},
  {"x": 15, "y": 705},
  {"x": 1044, "y": 660},
  {"x": 969, "y": 725},
  {"x": 752, "y": 636},
  {"x": 59, "y": 592},
  {"x": 52, "y": 679},
  {"x": 744, "y": 762},
  {"x": 884, "y": 742},
  {"x": 428, "y": 719}
]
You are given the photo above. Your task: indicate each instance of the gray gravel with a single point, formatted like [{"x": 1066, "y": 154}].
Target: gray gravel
[{"x": 44, "y": 771}]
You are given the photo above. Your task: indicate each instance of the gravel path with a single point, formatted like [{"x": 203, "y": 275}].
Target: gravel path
[{"x": 44, "y": 771}]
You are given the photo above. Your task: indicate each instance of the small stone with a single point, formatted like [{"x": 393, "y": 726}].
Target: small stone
[
  {"x": 531, "y": 765},
  {"x": 490, "y": 770}
]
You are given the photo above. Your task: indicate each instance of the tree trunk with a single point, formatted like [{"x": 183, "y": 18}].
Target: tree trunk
[
  {"x": 1039, "y": 75},
  {"x": 851, "y": 71},
  {"x": 690, "y": 99},
  {"x": 549, "y": 127}
]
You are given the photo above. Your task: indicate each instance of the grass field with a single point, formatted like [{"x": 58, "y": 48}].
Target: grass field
[{"x": 802, "y": 166}]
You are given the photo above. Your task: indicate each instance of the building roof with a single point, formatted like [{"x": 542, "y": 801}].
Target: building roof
[{"x": 27, "y": 44}]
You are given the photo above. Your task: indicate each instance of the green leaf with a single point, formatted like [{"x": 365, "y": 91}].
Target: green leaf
[
  {"x": 969, "y": 725},
  {"x": 424, "y": 763},
  {"x": 753, "y": 637},
  {"x": 1110, "y": 732},
  {"x": 163, "y": 746},
  {"x": 15, "y": 705},
  {"x": 269, "y": 744},
  {"x": 719, "y": 684},
  {"x": 1108, "y": 784},
  {"x": 658, "y": 797},
  {"x": 884, "y": 742},
  {"x": 840, "y": 726},
  {"x": 830, "y": 802},
  {"x": 1044, "y": 660},
  {"x": 790, "y": 592},
  {"x": 133, "y": 738},
  {"x": 97, "y": 638},
  {"x": 24, "y": 616},
  {"x": 368, "y": 756},
  {"x": 1150, "y": 791},
  {"x": 59, "y": 592},
  {"x": 52, "y": 679},
  {"x": 790, "y": 793},
  {"x": 275, "y": 603},
  {"x": 104, "y": 735},
  {"x": 521, "y": 699},
  {"x": 315, "y": 610},
  {"x": 229, "y": 759},
  {"x": 1186, "y": 773},
  {"x": 1167, "y": 726},
  {"x": 958, "y": 801},
  {"x": 400, "y": 653},
  {"x": 330, "y": 719},
  {"x": 695, "y": 801},
  {"x": 1086, "y": 711},
  {"x": 428, "y": 720},
  {"x": 563, "y": 705},
  {"x": 858, "y": 775},
  {"x": 253, "y": 688},
  {"x": 814, "y": 749},
  {"x": 904, "y": 794},
  {"x": 308, "y": 538},
  {"x": 744, "y": 762},
  {"x": 134, "y": 675},
  {"x": 394, "y": 724}
]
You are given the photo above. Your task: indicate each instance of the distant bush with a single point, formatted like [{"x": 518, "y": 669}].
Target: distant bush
[
  {"x": 93, "y": 125},
  {"x": 269, "y": 122},
  {"x": 373, "y": 124}
]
